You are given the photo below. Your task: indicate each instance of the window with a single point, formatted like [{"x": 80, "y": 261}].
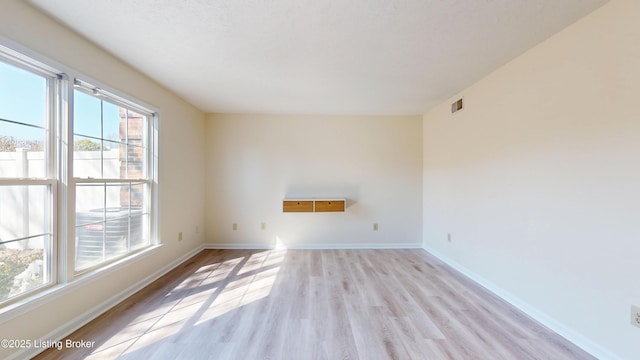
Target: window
[
  {"x": 27, "y": 176},
  {"x": 69, "y": 150},
  {"x": 112, "y": 176}
]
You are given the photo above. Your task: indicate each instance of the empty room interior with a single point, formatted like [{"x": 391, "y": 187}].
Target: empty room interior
[{"x": 320, "y": 179}]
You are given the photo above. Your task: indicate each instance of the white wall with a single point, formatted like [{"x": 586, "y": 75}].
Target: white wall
[
  {"x": 181, "y": 157},
  {"x": 538, "y": 180},
  {"x": 254, "y": 161}
]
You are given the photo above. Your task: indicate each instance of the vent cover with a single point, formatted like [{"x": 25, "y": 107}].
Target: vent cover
[{"x": 457, "y": 106}]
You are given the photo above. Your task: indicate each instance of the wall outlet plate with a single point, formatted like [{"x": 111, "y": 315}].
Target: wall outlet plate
[{"x": 635, "y": 315}]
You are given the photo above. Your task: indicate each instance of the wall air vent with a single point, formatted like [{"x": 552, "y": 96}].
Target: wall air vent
[{"x": 457, "y": 106}]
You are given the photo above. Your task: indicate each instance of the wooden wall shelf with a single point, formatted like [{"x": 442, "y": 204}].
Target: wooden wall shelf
[{"x": 314, "y": 205}]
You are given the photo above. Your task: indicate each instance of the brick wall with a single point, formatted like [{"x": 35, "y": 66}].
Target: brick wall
[{"x": 132, "y": 155}]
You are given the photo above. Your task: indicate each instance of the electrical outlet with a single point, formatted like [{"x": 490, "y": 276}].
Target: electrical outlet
[
  {"x": 449, "y": 237},
  {"x": 197, "y": 230},
  {"x": 180, "y": 236},
  {"x": 263, "y": 226},
  {"x": 375, "y": 226},
  {"x": 234, "y": 226},
  {"x": 635, "y": 315}
]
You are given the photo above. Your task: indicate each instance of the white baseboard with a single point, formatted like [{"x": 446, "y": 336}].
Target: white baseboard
[
  {"x": 231, "y": 246},
  {"x": 228, "y": 246},
  {"x": 83, "y": 319},
  {"x": 561, "y": 329}
]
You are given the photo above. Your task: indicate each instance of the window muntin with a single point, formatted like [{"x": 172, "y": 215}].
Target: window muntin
[
  {"x": 27, "y": 180},
  {"x": 111, "y": 176}
]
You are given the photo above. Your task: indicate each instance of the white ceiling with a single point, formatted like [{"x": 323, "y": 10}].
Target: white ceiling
[{"x": 317, "y": 56}]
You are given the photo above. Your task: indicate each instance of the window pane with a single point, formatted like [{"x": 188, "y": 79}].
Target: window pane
[
  {"x": 116, "y": 234},
  {"x": 136, "y": 162},
  {"x": 138, "y": 196},
  {"x": 24, "y": 211},
  {"x": 24, "y": 265},
  {"x": 89, "y": 243},
  {"x": 136, "y": 127},
  {"x": 100, "y": 240},
  {"x": 110, "y": 221},
  {"x": 90, "y": 228},
  {"x": 87, "y": 157},
  {"x": 22, "y": 151},
  {"x": 89, "y": 203},
  {"x": 112, "y": 160},
  {"x": 134, "y": 159},
  {"x": 111, "y": 121},
  {"x": 117, "y": 197},
  {"x": 22, "y": 96},
  {"x": 87, "y": 115},
  {"x": 139, "y": 230}
]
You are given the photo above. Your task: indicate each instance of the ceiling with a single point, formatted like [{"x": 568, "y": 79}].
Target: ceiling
[{"x": 375, "y": 57}]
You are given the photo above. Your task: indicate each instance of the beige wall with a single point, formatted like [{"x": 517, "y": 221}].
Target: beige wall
[
  {"x": 254, "y": 161},
  {"x": 181, "y": 158},
  {"x": 538, "y": 179}
]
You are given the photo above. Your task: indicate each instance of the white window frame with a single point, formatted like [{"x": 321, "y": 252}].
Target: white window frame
[
  {"x": 59, "y": 179},
  {"x": 89, "y": 88},
  {"x": 55, "y": 87}
]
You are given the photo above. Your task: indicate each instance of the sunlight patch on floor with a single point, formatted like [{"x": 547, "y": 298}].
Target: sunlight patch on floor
[
  {"x": 253, "y": 283},
  {"x": 211, "y": 291}
]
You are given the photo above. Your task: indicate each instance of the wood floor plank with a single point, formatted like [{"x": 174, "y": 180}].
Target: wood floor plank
[{"x": 316, "y": 304}]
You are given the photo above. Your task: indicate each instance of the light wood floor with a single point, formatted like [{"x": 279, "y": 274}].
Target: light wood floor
[{"x": 316, "y": 304}]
